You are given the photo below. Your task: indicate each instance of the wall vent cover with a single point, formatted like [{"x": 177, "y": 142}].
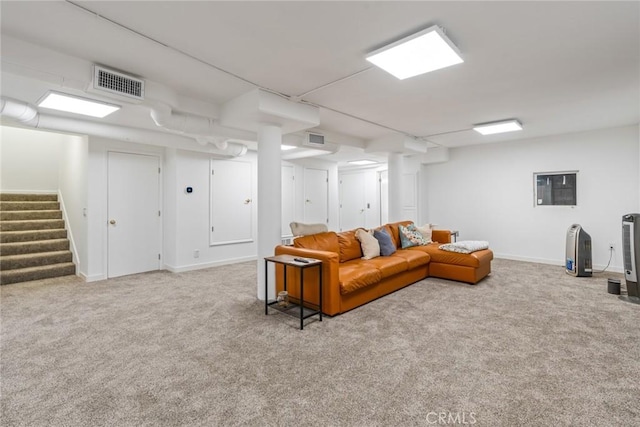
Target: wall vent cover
[
  {"x": 117, "y": 83},
  {"x": 314, "y": 139}
]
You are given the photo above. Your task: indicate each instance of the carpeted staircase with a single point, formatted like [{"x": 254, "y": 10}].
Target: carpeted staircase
[{"x": 33, "y": 240}]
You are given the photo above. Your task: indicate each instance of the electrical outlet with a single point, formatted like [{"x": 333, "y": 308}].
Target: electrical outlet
[{"x": 196, "y": 254}]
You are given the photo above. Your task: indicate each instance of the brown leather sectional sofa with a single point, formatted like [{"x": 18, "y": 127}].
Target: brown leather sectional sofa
[{"x": 349, "y": 281}]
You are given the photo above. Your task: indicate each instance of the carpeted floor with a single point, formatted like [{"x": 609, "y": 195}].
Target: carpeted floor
[{"x": 528, "y": 346}]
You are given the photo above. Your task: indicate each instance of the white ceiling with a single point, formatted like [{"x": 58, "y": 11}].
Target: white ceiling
[{"x": 558, "y": 67}]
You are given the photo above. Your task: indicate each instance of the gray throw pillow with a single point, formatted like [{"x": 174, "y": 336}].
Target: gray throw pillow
[{"x": 386, "y": 244}]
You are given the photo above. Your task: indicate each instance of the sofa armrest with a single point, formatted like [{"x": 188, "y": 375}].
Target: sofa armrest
[
  {"x": 330, "y": 279},
  {"x": 441, "y": 236}
]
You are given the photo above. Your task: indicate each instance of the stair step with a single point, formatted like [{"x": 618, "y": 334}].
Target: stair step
[
  {"x": 37, "y": 273},
  {"x": 38, "y": 224},
  {"x": 26, "y": 215},
  {"x": 12, "y": 262},
  {"x": 9, "y": 197},
  {"x": 29, "y": 206},
  {"x": 31, "y": 235},
  {"x": 18, "y": 248}
]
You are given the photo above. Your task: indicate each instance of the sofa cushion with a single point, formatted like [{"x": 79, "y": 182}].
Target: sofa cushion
[
  {"x": 349, "y": 246},
  {"x": 357, "y": 274},
  {"x": 413, "y": 258},
  {"x": 389, "y": 265},
  {"x": 322, "y": 242},
  {"x": 387, "y": 247},
  {"x": 369, "y": 245}
]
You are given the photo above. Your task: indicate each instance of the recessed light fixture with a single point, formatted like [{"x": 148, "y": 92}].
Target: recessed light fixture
[
  {"x": 362, "y": 162},
  {"x": 498, "y": 127},
  {"x": 76, "y": 104},
  {"x": 425, "y": 51},
  {"x": 285, "y": 147}
]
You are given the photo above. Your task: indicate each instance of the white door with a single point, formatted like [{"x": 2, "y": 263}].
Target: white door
[
  {"x": 231, "y": 202},
  {"x": 410, "y": 196},
  {"x": 135, "y": 227},
  {"x": 288, "y": 200},
  {"x": 316, "y": 196},
  {"x": 383, "y": 179},
  {"x": 352, "y": 201}
]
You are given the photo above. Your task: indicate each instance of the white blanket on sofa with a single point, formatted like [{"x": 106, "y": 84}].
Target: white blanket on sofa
[{"x": 465, "y": 246}]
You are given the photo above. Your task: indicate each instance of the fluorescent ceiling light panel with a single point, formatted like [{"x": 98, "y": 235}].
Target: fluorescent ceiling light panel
[
  {"x": 362, "y": 162},
  {"x": 285, "y": 147},
  {"x": 419, "y": 53},
  {"x": 77, "y": 105},
  {"x": 498, "y": 127}
]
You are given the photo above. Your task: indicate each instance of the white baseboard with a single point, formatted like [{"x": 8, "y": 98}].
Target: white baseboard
[
  {"x": 200, "y": 266},
  {"x": 559, "y": 263},
  {"x": 95, "y": 278}
]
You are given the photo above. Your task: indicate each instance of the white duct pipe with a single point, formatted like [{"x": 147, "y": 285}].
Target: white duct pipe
[
  {"x": 28, "y": 115},
  {"x": 201, "y": 128},
  {"x": 19, "y": 111},
  {"x": 189, "y": 124}
]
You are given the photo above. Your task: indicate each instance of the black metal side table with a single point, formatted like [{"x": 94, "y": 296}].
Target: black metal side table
[{"x": 297, "y": 310}]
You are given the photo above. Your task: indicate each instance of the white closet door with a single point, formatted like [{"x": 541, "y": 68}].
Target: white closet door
[
  {"x": 231, "y": 202},
  {"x": 410, "y": 196},
  {"x": 288, "y": 199},
  {"x": 316, "y": 196},
  {"x": 352, "y": 201},
  {"x": 135, "y": 227}
]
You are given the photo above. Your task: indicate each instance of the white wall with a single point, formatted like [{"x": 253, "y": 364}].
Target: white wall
[
  {"x": 186, "y": 216},
  {"x": 334, "y": 200},
  {"x": 72, "y": 181},
  {"x": 192, "y": 216},
  {"x": 46, "y": 162},
  {"x": 97, "y": 194},
  {"x": 29, "y": 160},
  {"x": 486, "y": 192}
]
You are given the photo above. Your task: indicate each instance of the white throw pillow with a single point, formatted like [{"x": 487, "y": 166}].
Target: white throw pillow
[
  {"x": 426, "y": 231},
  {"x": 465, "y": 246},
  {"x": 368, "y": 243}
]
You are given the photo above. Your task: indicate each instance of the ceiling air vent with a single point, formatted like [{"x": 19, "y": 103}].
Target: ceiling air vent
[
  {"x": 314, "y": 140},
  {"x": 115, "y": 83}
]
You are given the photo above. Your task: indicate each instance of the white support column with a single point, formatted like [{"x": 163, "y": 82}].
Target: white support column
[
  {"x": 395, "y": 169},
  {"x": 269, "y": 200}
]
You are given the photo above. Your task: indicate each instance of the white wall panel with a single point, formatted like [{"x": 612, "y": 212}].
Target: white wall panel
[{"x": 29, "y": 160}]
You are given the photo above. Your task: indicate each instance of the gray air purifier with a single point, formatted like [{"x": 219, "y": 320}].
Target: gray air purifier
[
  {"x": 578, "y": 262},
  {"x": 631, "y": 252}
]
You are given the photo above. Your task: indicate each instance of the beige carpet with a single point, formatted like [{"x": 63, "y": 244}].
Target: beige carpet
[{"x": 528, "y": 346}]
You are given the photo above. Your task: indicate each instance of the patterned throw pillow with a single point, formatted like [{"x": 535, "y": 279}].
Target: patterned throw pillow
[
  {"x": 410, "y": 236},
  {"x": 386, "y": 244},
  {"x": 426, "y": 231}
]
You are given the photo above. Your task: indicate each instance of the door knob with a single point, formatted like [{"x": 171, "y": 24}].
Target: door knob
[
  {"x": 112, "y": 222},
  {"x": 308, "y": 201},
  {"x": 247, "y": 201}
]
